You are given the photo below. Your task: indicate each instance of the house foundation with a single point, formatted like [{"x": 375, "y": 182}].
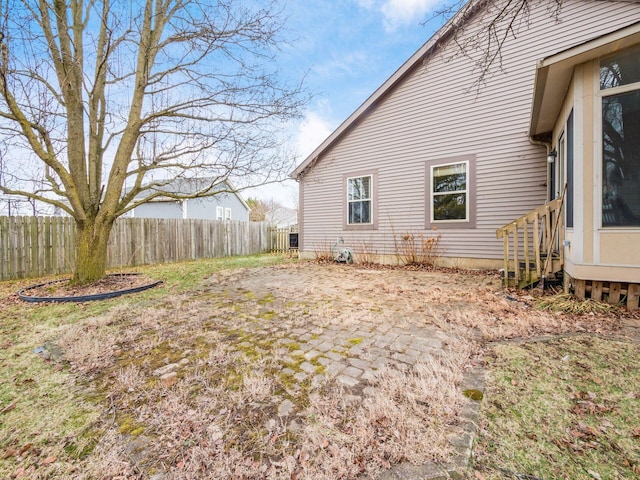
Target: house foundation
[{"x": 615, "y": 293}]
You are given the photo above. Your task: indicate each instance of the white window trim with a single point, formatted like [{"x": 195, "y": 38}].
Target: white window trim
[
  {"x": 465, "y": 191},
  {"x": 227, "y": 214},
  {"x": 369, "y": 199},
  {"x": 185, "y": 213},
  {"x": 219, "y": 213},
  {"x": 629, "y": 87}
]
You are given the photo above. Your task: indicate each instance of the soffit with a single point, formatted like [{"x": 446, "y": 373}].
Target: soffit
[{"x": 554, "y": 73}]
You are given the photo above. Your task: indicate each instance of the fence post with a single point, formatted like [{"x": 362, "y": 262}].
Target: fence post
[{"x": 46, "y": 245}]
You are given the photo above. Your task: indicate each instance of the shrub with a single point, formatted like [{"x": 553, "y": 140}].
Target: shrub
[{"x": 418, "y": 249}]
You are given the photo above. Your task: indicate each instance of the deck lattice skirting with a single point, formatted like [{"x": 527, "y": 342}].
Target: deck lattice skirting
[{"x": 611, "y": 292}]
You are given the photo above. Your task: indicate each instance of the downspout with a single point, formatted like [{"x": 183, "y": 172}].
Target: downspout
[{"x": 548, "y": 144}]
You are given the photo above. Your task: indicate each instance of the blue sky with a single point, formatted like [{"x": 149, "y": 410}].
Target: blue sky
[{"x": 346, "y": 49}]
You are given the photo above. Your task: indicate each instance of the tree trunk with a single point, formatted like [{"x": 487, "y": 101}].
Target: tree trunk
[{"x": 91, "y": 252}]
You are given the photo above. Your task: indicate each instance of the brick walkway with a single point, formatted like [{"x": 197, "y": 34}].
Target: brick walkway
[{"x": 349, "y": 341}]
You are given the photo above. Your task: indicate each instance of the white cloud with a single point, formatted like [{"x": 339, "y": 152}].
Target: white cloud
[
  {"x": 343, "y": 65},
  {"x": 401, "y": 12},
  {"x": 311, "y": 133},
  {"x": 366, "y": 3}
]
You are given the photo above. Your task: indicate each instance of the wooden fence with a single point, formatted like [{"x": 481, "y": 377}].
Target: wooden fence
[
  {"x": 281, "y": 239},
  {"x": 40, "y": 246}
]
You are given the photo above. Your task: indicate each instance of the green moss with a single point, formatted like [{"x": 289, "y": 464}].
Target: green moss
[
  {"x": 473, "y": 394},
  {"x": 355, "y": 341},
  {"x": 127, "y": 425},
  {"x": 267, "y": 299},
  {"x": 234, "y": 380},
  {"x": 269, "y": 315}
]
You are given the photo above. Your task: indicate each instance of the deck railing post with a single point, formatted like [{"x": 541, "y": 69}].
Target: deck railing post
[
  {"x": 516, "y": 247},
  {"x": 536, "y": 238},
  {"x": 527, "y": 267},
  {"x": 505, "y": 247}
]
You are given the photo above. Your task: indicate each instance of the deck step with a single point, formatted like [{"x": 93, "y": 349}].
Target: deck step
[{"x": 524, "y": 282}]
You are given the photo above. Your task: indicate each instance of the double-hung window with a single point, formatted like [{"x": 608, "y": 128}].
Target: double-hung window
[
  {"x": 449, "y": 192},
  {"x": 219, "y": 213},
  {"x": 227, "y": 214},
  {"x": 360, "y": 200},
  {"x": 620, "y": 91}
]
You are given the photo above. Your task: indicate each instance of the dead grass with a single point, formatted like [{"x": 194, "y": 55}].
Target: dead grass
[
  {"x": 322, "y": 252},
  {"x": 194, "y": 379},
  {"x": 567, "y": 303},
  {"x": 366, "y": 254}
]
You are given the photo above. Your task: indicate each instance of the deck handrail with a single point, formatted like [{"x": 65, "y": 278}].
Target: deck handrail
[{"x": 539, "y": 244}]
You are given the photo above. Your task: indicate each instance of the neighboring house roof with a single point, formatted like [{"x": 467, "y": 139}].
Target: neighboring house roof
[
  {"x": 282, "y": 217},
  {"x": 190, "y": 186},
  {"x": 463, "y": 15}
]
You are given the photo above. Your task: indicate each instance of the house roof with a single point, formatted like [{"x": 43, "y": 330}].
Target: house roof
[
  {"x": 554, "y": 74},
  {"x": 189, "y": 186},
  {"x": 466, "y": 12},
  {"x": 422, "y": 54}
]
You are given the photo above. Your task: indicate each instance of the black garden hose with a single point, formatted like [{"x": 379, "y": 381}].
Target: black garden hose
[{"x": 83, "y": 298}]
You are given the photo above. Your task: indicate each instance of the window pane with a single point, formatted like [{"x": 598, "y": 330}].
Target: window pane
[
  {"x": 450, "y": 178},
  {"x": 570, "y": 181},
  {"x": 620, "y": 69},
  {"x": 360, "y": 212},
  {"x": 621, "y": 160},
  {"x": 359, "y": 188},
  {"x": 450, "y": 207}
]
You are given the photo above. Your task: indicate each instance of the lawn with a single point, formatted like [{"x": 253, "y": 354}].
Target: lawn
[
  {"x": 565, "y": 408},
  {"x": 265, "y": 367}
]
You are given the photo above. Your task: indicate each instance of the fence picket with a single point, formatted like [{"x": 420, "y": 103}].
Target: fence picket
[{"x": 40, "y": 246}]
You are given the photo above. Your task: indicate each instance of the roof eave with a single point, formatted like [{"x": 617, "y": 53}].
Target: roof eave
[{"x": 554, "y": 74}]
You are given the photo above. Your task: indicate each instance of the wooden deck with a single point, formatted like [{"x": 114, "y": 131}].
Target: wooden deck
[
  {"x": 533, "y": 245},
  {"x": 533, "y": 250}
]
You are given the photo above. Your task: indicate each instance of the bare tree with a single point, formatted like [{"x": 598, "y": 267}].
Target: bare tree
[
  {"x": 270, "y": 211},
  {"x": 258, "y": 209},
  {"x": 107, "y": 103}
]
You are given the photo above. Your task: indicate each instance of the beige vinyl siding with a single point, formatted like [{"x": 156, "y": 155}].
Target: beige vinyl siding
[{"x": 433, "y": 114}]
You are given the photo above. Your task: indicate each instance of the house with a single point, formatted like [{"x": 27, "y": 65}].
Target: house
[
  {"x": 479, "y": 143},
  {"x": 282, "y": 217},
  {"x": 225, "y": 205}
]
